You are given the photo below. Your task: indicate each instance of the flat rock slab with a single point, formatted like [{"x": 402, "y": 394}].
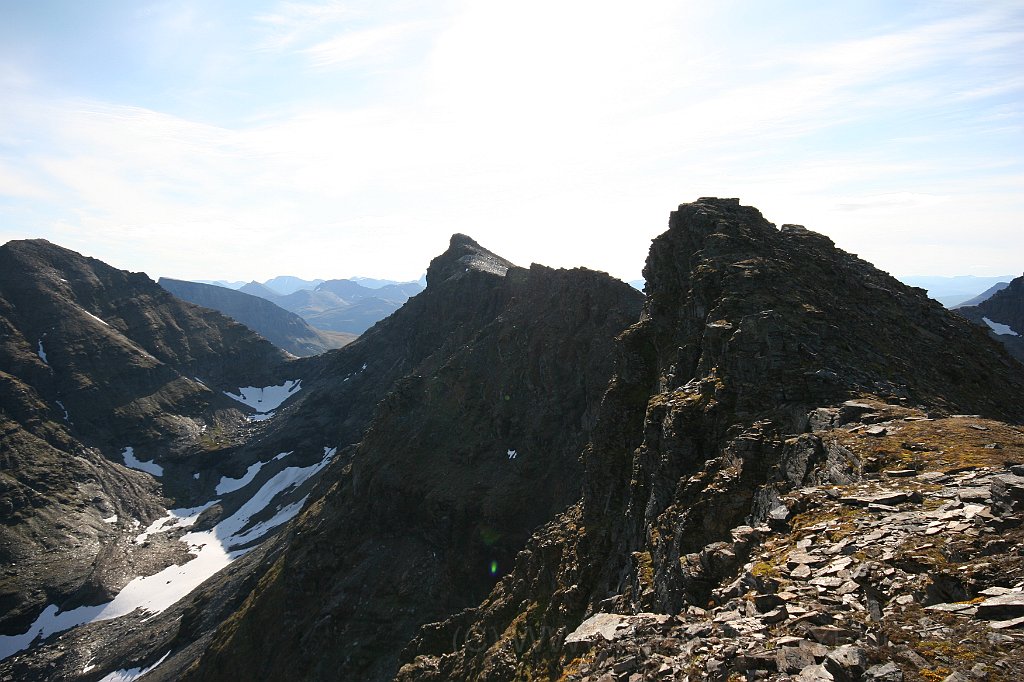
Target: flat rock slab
[
  {"x": 884, "y": 672},
  {"x": 889, "y": 498},
  {"x": 791, "y": 659},
  {"x": 831, "y": 635},
  {"x": 1002, "y": 607},
  {"x": 962, "y": 609},
  {"x": 611, "y": 626},
  {"x": 1011, "y": 624}
]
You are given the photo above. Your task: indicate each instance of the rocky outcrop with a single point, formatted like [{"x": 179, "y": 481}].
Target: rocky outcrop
[
  {"x": 1002, "y": 315},
  {"x": 474, "y": 447},
  {"x": 752, "y": 338},
  {"x": 900, "y": 574},
  {"x": 284, "y": 329}
]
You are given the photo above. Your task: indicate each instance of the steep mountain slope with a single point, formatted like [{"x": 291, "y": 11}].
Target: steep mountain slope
[
  {"x": 115, "y": 348},
  {"x": 752, "y": 342},
  {"x": 284, "y": 329},
  {"x": 476, "y": 445},
  {"x": 107, "y": 383},
  {"x": 1002, "y": 314},
  {"x": 983, "y": 296}
]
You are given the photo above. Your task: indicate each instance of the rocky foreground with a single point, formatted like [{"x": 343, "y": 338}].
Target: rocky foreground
[{"x": 903, "y": 562}]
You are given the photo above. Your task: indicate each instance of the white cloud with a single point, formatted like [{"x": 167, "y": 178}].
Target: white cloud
[
  {"x": 294, "y": 23},
  {"x": 556, "y": 132},
  {"x": 366, "y": 45}
]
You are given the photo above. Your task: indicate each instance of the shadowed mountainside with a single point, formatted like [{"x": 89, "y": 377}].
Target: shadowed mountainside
[{"x": 475, "y": 447}]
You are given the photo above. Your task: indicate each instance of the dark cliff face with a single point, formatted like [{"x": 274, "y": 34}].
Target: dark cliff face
[
  {"x": 1005, "y": 310},
  {"x": 284, "y": 329},
  {"x": 746, "y": 332},
  {"x": 93, "y": 360},
  {"x": 499, "y": 374}
]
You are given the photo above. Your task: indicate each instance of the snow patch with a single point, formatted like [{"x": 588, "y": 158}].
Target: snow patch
[
  {"x": 228, "y": 485},
  {"x": 67, "y": 417},
  {"x": 213, "y": 550},
  {"x": 112, "y": 519},
  {"x": 288, "y": 477},
  {"x": 42, "y": 353},
  {"x": 175, "y": 518},
  {"x": 512, "y": 454},
  {"x": 150, "y": 467},
  {"x": 999, "y": 328},
  {"x": 196, "y": 475},
  {"x": 266, "y": 399},
  {"x": 93, "y": 316},
  {"x": 132, "y": 673}
]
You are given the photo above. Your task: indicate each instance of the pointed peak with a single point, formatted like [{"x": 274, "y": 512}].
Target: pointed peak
[
  {"x": 465, "y": 255},
  {"x": 463, "y": 240}
]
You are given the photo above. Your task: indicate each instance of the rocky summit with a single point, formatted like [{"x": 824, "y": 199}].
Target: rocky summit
[{"x": 779, "y": 463}]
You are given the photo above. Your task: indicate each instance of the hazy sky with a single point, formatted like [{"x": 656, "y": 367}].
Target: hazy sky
[{"x": 240, "y": 140}]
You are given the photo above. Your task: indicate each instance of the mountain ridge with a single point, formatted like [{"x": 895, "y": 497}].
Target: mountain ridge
[
  {"x": 750, "y": 335},
  {"x": 494, "y": 414}
]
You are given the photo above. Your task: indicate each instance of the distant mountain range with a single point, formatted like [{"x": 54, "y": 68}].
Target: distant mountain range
[
  {"x": 282, "y": 328},
  {"x": 333, "y": 311},
  {"x": 983, "y": 296},
  {"x": 338, "y": 305},
  {"x": 954, "y": 291}
]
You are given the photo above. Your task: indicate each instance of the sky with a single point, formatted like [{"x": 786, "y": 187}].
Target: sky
[{"x": 222, "y": 139}]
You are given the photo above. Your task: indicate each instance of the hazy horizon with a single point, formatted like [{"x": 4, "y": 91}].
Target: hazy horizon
[{"x": 240, "y": 141}]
